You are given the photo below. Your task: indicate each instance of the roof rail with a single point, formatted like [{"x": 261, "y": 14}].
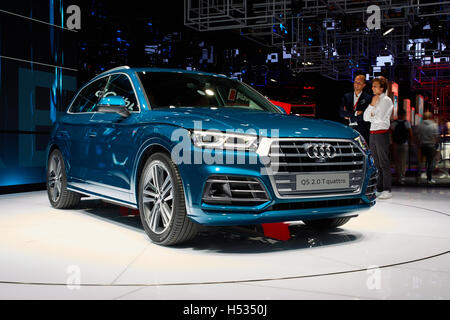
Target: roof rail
[{"x": 114, "y": 69}]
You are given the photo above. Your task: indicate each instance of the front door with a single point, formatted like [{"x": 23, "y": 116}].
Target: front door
[{"x": 111, "y": 149}]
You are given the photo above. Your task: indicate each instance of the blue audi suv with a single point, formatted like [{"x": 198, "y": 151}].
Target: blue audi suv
[{"x": 189, "y": 148}]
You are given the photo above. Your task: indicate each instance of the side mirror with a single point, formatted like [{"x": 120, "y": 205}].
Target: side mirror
[{"x": 113, "y": 104}]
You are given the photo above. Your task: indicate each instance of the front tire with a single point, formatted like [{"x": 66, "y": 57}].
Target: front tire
[
  {"x": 326, "y": 224},
  {"x": 58, "y": 195},
  {"x": 162, "y": 202}
]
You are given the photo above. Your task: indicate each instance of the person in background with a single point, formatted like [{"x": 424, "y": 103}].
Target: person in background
[
  {"x": 385, "y": 75},
  {"x": 353, "y": 106},
  {"x": 428, "y": 134},
  {"x": 378, "y": 113},
  {"x": 402, "y": 137},
  {"x": 442, "y": 155}
]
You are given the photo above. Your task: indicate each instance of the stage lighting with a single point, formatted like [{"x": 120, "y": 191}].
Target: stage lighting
[{"x": 389, "y": 31}]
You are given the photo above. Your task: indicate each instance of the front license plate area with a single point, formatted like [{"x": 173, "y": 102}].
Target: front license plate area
[{"x": 326, "y": 181}]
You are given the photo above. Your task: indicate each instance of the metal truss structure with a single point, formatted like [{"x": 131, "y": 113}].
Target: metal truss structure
[
  {"x": 434, "y": 78},
  {"x": 331, "y": 37}
]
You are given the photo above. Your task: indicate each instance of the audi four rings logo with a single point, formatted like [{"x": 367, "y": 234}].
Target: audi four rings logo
[{"x": 320, "y": 150}]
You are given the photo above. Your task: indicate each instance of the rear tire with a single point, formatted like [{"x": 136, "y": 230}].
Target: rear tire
[
  {"x": 325, "y": 224},
  {"x": 58, "y": 195},
  {"x": 162, "y": 202}
]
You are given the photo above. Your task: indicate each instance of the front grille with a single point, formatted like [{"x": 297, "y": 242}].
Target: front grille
[
  {"x": 234, "y": 190},
  {"x": 289, "y": 158},
  {"x": 315, "y": 204}
]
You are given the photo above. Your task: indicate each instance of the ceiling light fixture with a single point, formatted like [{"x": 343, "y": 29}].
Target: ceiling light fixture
[{"x": 389, "y": 31}]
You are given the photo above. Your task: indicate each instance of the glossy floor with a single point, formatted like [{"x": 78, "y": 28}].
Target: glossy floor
[{"x": 399, "y": 249}]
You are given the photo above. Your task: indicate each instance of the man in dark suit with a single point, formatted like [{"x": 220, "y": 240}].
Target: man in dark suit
[{"x": 353, "y": 106}]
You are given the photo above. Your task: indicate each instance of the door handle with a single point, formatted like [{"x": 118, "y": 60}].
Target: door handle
[
  {"x": 92, "y": 134},
  {"x": 62, "y": 134}
]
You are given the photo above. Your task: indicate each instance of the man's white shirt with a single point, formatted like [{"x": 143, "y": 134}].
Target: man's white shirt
[
  {"x": 379, "y": 115},
  {"x": 355, "y": 100}
]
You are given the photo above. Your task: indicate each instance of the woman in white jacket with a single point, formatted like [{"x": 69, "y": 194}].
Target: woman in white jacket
[{"x": 378, "y": 113}]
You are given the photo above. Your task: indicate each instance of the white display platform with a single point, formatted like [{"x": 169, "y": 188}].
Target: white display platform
[{"x": 399, "y": 249}]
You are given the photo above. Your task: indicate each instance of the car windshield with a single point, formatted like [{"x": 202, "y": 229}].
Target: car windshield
[{"x": 176, "y": 89}]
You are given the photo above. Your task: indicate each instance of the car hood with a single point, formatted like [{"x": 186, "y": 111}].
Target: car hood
[{"x": 264, "y": 123}]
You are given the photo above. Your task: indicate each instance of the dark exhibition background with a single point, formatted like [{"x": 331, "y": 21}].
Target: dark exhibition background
[{"x": 304, "y": 53}]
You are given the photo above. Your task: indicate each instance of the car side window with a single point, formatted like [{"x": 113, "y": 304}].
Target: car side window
[
  {"x": 120, "y": 85},
  {"x": 87, "y": 99}
]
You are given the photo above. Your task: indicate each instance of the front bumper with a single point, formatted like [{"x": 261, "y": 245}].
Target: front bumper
[{"x": 276, "y": 208}]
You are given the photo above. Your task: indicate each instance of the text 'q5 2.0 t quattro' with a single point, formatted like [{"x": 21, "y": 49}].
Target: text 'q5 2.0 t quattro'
[{"x": 190, "y": 148}]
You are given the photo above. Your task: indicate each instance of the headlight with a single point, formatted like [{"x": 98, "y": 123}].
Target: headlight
[
  {"x": 220, "y": 140},
  {"x": 362, "y": 142}
]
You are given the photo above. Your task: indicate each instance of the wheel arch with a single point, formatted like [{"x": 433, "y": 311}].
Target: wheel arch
[
  {"x": 52, "y": 147},
  {"x": 151, "y": 147}
]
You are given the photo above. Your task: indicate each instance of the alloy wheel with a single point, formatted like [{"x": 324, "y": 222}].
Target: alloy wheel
[
  {"x": 158, "y": 197},
  {"x": 55, "y": 178}
]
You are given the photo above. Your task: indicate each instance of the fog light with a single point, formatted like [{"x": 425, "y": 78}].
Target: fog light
[{"x": 235, "y": 190}]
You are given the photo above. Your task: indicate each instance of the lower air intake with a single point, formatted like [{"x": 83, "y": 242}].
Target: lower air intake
[{"x": 234, "y": 190}]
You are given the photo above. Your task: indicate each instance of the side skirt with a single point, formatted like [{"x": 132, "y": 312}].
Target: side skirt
[{"x": 105, "y": 198}]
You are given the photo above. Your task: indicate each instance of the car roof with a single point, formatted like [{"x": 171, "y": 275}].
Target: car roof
[{"x": 128, "y": 70}]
